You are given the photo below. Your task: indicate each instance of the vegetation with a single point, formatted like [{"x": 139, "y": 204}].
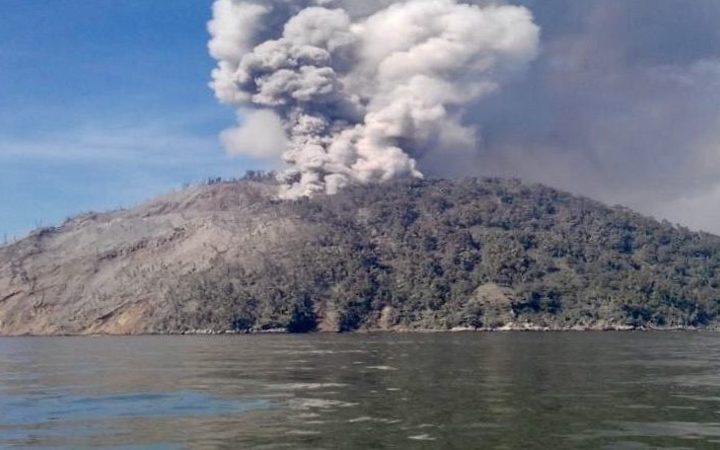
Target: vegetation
[{"x": 478, "y": 253}]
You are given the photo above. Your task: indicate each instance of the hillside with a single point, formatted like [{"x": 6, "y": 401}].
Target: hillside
[{"x": 476, "y": 253}]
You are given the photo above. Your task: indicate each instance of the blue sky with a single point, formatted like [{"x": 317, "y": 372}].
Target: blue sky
[{"x": 103, "y": 104}]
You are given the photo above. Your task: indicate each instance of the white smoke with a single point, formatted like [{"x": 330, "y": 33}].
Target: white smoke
[{"x": 360, "y": 93}]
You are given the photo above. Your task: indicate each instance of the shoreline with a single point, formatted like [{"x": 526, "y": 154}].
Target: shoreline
[{"x": 529, "y": 329}]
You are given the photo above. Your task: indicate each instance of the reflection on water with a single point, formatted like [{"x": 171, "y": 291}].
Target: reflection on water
[{"x": 564, "y": 391}]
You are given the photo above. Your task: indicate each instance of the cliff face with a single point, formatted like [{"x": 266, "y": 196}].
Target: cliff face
[{"x": 414, "y": 255}]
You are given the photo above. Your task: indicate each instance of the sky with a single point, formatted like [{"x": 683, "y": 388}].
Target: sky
[{"x": 105, "y": 103}]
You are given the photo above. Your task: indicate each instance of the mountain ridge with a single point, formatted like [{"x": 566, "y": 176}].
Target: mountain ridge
[{"x": 404, "y": 256}]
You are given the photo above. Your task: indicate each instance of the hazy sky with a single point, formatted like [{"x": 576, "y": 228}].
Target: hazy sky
[
  {"x": 623, "y": 105},
  {"x": 105, "y": 103}
]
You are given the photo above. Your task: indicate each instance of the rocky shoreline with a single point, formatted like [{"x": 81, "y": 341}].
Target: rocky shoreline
[
  {"x": 507, "y": 329},
  {"x": 524, "y": 328}
]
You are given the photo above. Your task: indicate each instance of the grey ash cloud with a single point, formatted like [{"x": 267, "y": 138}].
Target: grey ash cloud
[
  {"x": 622, "y": 104},
  {"x": 619, "y": 100},
  {"x": 360, "y": 94}
]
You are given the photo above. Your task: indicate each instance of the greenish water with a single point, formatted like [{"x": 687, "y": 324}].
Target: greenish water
[{"x": 449, "y": 391}]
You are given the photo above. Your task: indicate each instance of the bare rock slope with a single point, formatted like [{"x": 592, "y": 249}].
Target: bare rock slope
[
  {"x": 472, "y": 254},
  {"x": 108, "y": 273}
]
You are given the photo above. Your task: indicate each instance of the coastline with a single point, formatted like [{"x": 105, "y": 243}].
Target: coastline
[{"x": 525, "y": 328}]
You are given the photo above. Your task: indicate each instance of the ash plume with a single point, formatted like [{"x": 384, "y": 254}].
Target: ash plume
[{"x": 349, "y": 93}]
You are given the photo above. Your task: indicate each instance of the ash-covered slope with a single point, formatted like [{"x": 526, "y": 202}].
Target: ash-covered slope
[{"x": 408, "y": 255}]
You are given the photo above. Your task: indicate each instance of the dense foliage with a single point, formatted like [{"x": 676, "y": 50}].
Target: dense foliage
[{"x": 420, "y": 254}]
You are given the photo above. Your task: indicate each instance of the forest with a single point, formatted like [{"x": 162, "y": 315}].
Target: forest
[{"x": 465, "y": 254}]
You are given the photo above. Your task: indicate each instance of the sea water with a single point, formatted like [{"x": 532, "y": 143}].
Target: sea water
[{"x": 391, "y": 391}]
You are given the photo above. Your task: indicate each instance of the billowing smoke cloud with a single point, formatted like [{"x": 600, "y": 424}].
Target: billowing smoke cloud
[{"x": 352, "y": 93}]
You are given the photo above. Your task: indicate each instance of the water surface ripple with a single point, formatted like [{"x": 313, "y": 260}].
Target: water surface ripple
[{"x": 450, "y": 391}]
